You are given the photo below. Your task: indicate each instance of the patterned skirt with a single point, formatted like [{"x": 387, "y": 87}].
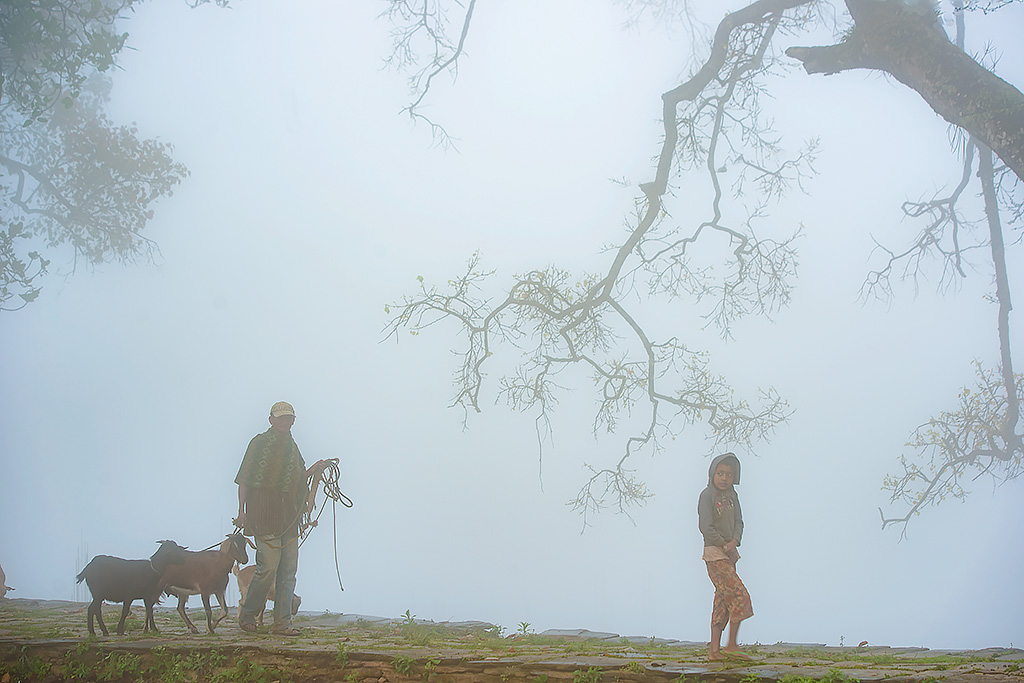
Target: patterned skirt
[{"x": 732, "y": 601}]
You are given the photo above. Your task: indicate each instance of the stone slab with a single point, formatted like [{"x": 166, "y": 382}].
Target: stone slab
[{"x": 579, "y": 634}]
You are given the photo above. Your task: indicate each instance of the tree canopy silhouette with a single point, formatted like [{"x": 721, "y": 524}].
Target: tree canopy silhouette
[{"x": 69, "y": 176}]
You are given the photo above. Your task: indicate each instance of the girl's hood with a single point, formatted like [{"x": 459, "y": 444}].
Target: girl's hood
[{"x": 724, "y": 457}]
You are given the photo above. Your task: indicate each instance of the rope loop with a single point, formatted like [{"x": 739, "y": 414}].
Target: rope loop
[{"x": 330, "y": 475}]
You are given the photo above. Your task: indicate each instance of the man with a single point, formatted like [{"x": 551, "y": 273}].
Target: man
[{"x": 272, "y": 493}]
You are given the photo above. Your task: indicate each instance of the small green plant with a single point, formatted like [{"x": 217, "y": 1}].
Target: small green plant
[
  {"x": 423, "y": 634},
  {"x": 25, "y": 668},
  {"x": 496, "y": 631},
  {"x": 168, "y": 666},
  {"x": 833, "y": 676},
  {"x": 341, "y": 656},
  {"x": 408, "y": 618},
  {"x": 637, "y": 668},
  {"x": 591, "y": 675},
  {"x": 173, "y": 667},
  {"x": 37, "y": 668},
  {"x": 836, "y": 676},
  {"x": 793, "y": 678},
  {"x": 246, "y": 671},
  {"x": 403, "y": 664},
  {"x": 543, "y": 678},
  {"x": 751, "y": 678},
  {"x": 74, "y": 663},
  {"x": 524, "y": 628},
  {"x": 114, "y": 667}
]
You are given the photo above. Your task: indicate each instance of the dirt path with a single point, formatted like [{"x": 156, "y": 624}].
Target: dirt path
[{"x": 48, "y": 641}]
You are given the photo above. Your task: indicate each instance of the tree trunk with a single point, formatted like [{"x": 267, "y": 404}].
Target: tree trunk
[{"x": 911, "y": 46}]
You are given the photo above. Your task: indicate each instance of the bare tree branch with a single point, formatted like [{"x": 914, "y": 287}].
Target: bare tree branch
[
  {"x": 566, "y": 321},
  {"x": 975, "y": 439},
  {"x": 943, "y": 235},
  {"x": 426, "y": 18},
  {"x": 715, "y": 138}
]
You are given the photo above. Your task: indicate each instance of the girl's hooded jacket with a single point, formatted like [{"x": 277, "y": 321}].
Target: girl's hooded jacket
[{"x": 718, "y": 512}]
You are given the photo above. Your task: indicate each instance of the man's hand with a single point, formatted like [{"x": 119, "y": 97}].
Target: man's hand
[{"x": 317, "y": 468}]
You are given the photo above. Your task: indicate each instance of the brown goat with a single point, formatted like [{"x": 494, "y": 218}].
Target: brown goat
[
  {"x": 205, "y": 573},
  {"x": 244, "y": 577}
]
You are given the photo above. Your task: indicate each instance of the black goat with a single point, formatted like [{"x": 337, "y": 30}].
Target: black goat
[
  {"x": 116, "y": 580},
  {"x": 205, "y": 573}
]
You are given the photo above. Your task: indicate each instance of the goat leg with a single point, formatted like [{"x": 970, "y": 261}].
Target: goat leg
[
  {"x": 209, "y": 613},
  {"x": 95, "y": 611},
  {"x": 91, "y": 617},
  {"x": 124, "y": 615},
  {"x": 182, "y": 599},
  {"x": 150, "y": 620},
  {"x": 223, "y": 607}
]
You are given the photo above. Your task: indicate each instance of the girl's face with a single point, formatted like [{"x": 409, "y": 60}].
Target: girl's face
[{"x": 724, "y": 477}]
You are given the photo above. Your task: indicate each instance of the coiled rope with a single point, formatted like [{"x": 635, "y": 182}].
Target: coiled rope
[{"x": 329, "y": 476}]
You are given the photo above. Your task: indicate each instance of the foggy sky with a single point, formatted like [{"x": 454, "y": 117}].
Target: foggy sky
[{"x": 130, "y": 393}]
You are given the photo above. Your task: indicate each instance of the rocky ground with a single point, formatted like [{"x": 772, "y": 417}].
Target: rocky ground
[{"x": 48, "y": 641}]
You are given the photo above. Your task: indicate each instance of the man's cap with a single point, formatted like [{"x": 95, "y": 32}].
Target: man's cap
[{"x": 281, "y": 408}]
